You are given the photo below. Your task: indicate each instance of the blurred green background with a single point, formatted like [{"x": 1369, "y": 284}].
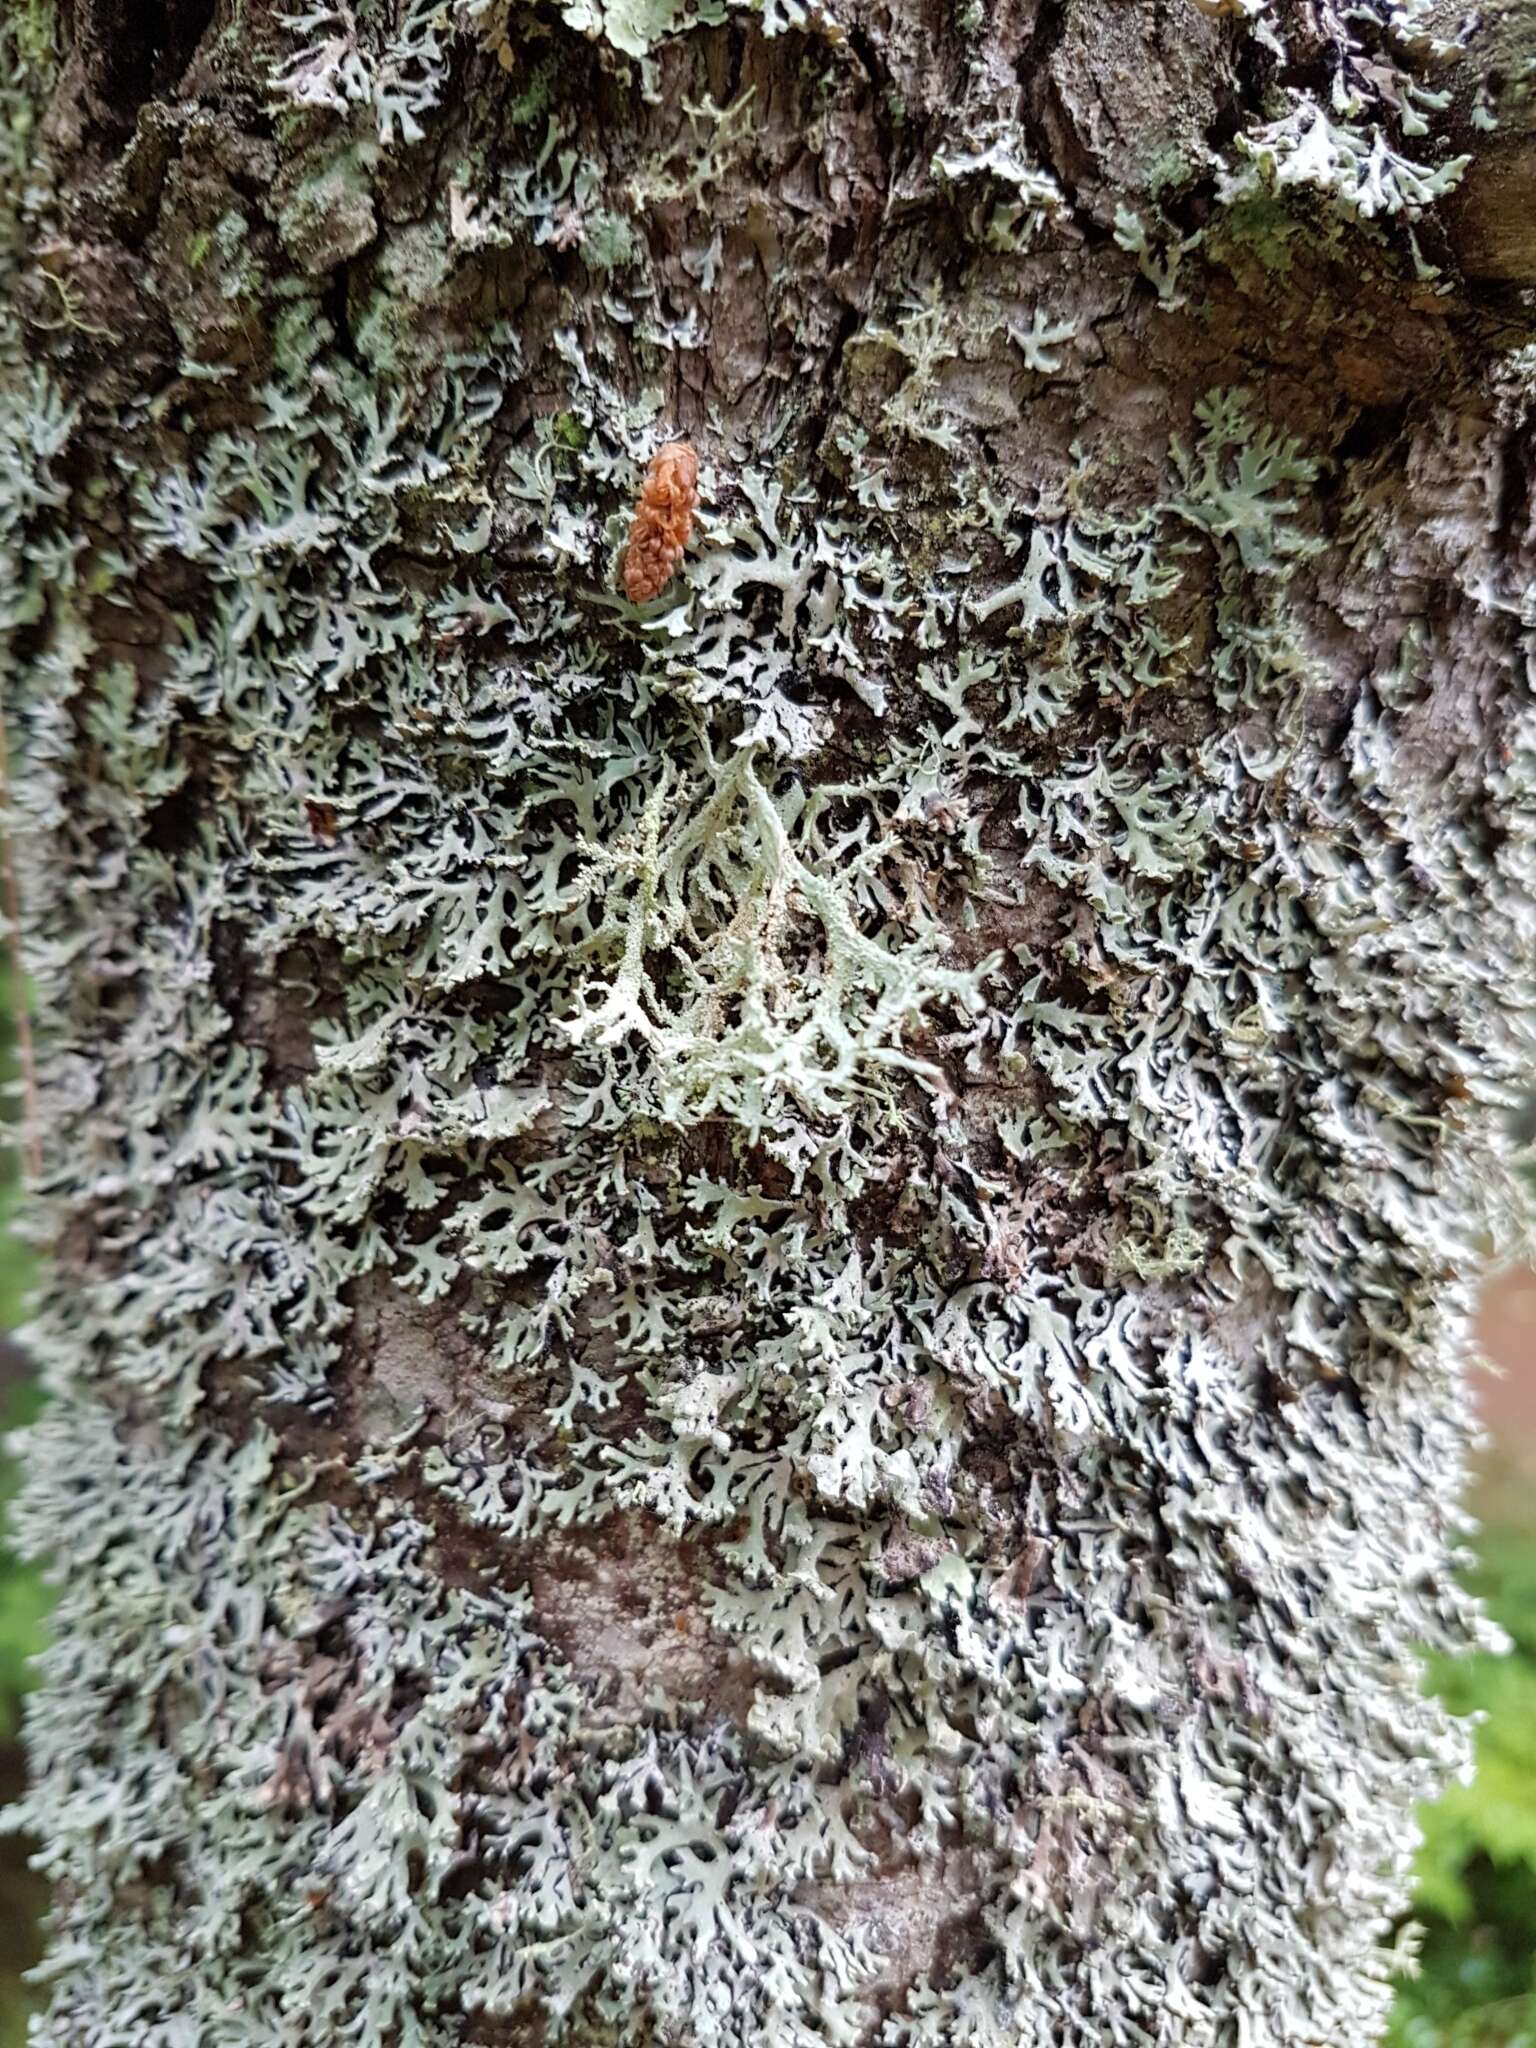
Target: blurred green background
[
  {"x": 1476, "y": 1987},
  {"x": 23, "y": 1597}
]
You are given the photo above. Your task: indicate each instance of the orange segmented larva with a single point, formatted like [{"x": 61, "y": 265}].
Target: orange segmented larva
[{"x": 663, "y": 520}]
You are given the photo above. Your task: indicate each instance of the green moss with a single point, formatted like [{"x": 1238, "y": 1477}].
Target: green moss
[
  {"x": 609, "y": 241},
  {"x": 1260, "y": 231},
  {"x": 34, "y": 30}
]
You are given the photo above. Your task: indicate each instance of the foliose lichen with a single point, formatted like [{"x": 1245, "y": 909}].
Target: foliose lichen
[{"x": 756, "y": 1304}]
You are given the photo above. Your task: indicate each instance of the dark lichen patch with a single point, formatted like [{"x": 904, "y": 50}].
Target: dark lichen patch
[{"x": 526, "y": 2029}]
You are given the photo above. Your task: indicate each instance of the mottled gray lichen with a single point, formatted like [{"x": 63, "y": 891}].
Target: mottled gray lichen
[{"x": 757, "y": 1305}]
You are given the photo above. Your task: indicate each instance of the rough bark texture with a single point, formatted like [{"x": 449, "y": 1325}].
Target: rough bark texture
[{"x": 757, "y": 1301}]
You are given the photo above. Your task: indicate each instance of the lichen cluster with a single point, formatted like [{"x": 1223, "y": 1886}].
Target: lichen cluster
[{"x": 756, "y": 1307}]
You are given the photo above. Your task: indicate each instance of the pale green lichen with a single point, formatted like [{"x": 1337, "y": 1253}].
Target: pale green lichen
[
  {"x": 344, "y": 60},
  {"x": 1354, "y": 168}
]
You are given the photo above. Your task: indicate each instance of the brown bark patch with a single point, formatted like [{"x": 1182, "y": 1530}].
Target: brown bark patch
[
  {"x": 920, "y": 1915},
  {"x": 624, "y": 1607}
]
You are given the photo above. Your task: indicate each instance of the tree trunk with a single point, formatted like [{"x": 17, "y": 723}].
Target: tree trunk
[{"x": 757, "y": 1300}]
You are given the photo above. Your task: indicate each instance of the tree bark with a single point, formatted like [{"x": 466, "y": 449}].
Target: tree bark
[{"x": 757, "y": 1302}]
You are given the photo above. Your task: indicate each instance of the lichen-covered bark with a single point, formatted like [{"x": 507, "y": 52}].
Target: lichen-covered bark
[{"x": 757, "y": 1302}]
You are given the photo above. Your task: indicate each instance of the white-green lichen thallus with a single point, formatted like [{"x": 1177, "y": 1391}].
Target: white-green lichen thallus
[{"x": 759, "y": 1275}]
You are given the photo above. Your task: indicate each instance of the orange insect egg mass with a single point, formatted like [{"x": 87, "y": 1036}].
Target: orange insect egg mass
[{"x": 663, "y": 520}]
